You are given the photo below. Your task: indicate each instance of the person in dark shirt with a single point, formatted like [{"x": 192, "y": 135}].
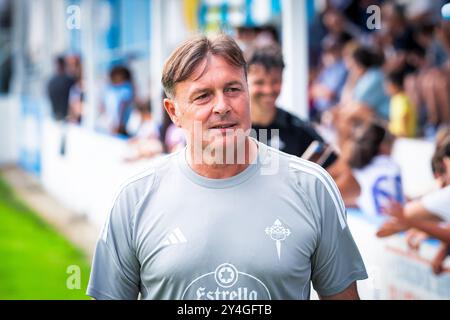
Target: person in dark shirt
[
  {"x": 58, "y": 89},
  {"x": 283, "y": 130}
]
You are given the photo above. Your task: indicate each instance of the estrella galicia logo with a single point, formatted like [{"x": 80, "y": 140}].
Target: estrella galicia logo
[{"x": 226, "y": 283}]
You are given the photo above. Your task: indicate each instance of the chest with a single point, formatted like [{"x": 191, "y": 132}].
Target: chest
[{"x": 264, "y": 238}]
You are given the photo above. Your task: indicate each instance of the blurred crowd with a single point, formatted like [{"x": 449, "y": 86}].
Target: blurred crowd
[{"x": 367, "y": 87}]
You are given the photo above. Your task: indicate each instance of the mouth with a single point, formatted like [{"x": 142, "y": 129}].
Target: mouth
[
  {"x": 268, "y": 98},
  {"x": 224, "y": 126}
]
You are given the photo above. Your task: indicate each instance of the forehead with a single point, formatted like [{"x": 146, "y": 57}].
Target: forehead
[
  {"x": 213, "y": 63},
  {"x": 210, "y": 72}
]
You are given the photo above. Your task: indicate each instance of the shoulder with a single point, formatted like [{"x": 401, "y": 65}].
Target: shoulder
[
  {"x": 138, "y": 185},
  {"x": 372, "y": 77},
  {"x": 438, "y": 195},
  {"x": 438, "y": 202},
  {"x": 318, "y": 185},
  {"x": 301, "y": 127},
  {"x": 307, "y": 175},
  {"x": 133, "y": 192},
  {"x": 310, "y": 172}
]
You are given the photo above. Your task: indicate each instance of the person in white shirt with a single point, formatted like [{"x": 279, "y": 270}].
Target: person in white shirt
[
  {"x": 431, "y": 214},
  {"x": 375, "y": 171}
]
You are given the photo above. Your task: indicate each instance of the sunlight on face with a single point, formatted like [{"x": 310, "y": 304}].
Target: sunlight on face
[{"x": 214, "y": 100}]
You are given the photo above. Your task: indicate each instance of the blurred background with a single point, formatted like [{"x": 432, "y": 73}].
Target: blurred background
[{"x": 81, "y": 111}]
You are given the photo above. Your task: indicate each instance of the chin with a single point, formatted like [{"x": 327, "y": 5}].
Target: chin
[{"x": 225, "y": 143}]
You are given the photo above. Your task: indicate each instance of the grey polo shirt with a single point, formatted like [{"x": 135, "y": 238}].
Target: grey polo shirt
[{"x": 266, "y": 233}]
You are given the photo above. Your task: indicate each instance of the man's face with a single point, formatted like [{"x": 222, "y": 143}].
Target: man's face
[
  {"x": 264, "y": 86},
  {"x": 215, "y": 102}
]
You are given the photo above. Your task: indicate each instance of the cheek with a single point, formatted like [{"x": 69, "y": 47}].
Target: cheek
[
  {"x": 276, "y": 88},
  {"x": 202, "y": 114},
  {"x": 254, "y": 90}
]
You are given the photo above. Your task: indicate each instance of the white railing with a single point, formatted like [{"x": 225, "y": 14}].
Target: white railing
[{"x": 91, "y": 171}]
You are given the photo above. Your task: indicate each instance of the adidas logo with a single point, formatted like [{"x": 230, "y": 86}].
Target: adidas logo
[{"x": 175, "y": 237}]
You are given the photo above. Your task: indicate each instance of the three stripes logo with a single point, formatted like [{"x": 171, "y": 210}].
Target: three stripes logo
[{"x": 175, "y": 237}]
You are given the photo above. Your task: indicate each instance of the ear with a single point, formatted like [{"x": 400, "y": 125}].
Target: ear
[{"x": 172, "y": 111}]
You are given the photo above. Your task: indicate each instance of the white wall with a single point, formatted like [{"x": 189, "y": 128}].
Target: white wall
[
  {"x": 87, "y": 178},
  {"x": 9, "y": 111}
]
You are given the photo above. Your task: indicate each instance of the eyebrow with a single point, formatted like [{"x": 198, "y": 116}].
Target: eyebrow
[
  {"x": 205, "y": 90},
  {"x": 232, "y": 83}
]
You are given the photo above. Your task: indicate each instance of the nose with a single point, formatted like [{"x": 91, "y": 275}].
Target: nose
[{"x": 221, "y": 106}]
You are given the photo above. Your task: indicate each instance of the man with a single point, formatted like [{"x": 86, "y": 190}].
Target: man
[
  {"x": 58, "y": 89},
  {"x": 196, "y": 227},
  {"x": 294, "y": 136}
]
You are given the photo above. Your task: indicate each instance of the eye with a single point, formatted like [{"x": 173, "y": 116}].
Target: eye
[
  {"x": 258, "y": 83},
  {"x": 232, "y": 89},
  {"x": 202, "y": 97}
]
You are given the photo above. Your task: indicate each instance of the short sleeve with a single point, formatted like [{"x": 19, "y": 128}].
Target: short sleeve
[
  {"x": 115, "y": 272},
  {"x": 438, "y": 203},
  {"x": 336, "y": 263},
  {"x": 370, "y": 91},
  {"x": 400, "y": 105}
]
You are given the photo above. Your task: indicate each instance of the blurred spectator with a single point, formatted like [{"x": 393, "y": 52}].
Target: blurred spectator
[
  {"x": 402, "y": 117},
  {"x": 117, "y": 101},
  {"x": 436, "y": 56},
  {"x": 77, "y": 91},
  {"x": 438, "y": 169},
  {"x": 431, "y": 214},
  {"x": 58, "y": 90},
  {"x": 245, "y": 36},
  {"x": 376, "y": 172},
  {"x": 141, "y": 122},
  {"x": 6, "y": 47},
  {"x": 429, "y": 86},
  {"x": 348, "y": 21},
  {"x": 265, "y": 69},
  {"x": 397, "y": 37},
  {"x": 363, "y": 96},
  {"x": 171, "y": 136},
  {"x": 174, "y": 138},
  {"x": 327, "y": 88},
  {"x": 368, "y": 91},
  {"x": 73, "y": 66},
  {"x": 335, "y": 24},
  {"x": 442, "y": 135},
  {"x": 76, "y": 102},
  {"x": 141, "y": 126},
  {"x": 259, "y": 36},
  {"x": 420, "y": 12}
]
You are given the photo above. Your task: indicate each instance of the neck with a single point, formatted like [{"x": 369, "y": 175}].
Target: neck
[
  {"x": 262, "y": 116},
  {"x": 222, "y": 171}
]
